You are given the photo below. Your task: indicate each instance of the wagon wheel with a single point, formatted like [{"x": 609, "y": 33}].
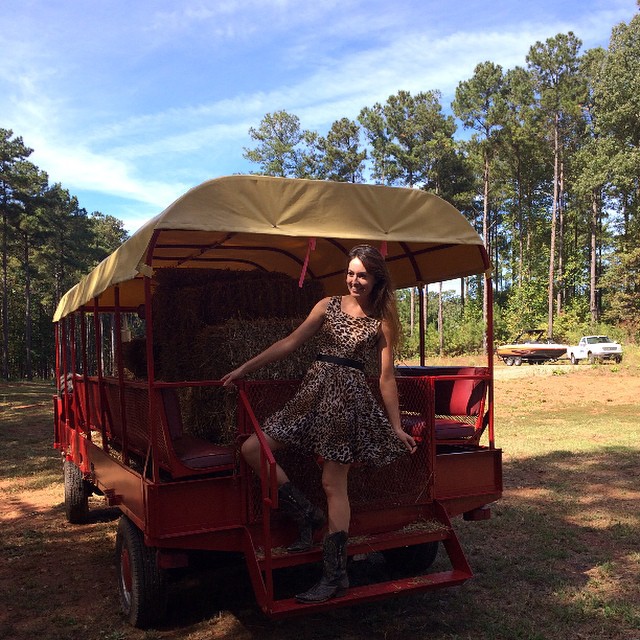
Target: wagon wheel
[
  {"x": 509, "y": 361},
  {"x": 408, "y": 561},
  {"x": 517, "y": 361},
  {"x": 141, "y": 583},
  {"x": 76, "y": 494}
]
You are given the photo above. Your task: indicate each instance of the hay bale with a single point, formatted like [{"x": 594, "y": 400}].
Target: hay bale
[
  {"x": 188, "y": 301},
  {"x": 208, "y": 322}
]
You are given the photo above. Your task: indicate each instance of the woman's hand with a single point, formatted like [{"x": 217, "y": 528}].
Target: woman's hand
[
  {"x": 232, "y": 376},
  {"x": 407, "y": 440}
]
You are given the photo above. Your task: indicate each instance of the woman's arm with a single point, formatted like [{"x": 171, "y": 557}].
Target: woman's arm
[
  {"x": 389, "y": 388},
  {"x": 282, "y": 348}
]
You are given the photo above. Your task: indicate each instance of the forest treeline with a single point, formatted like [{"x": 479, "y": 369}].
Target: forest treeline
[
  {"x": 543, "y": 159},
  {"x": 48, "y": 243}
]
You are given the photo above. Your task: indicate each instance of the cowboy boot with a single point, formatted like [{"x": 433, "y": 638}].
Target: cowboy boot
[
  {"x": 334, "y": 581},
  {"x": 308, "y": 518}
]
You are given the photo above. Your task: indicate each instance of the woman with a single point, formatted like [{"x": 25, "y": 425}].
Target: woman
[{"x": 334, "y": 413}]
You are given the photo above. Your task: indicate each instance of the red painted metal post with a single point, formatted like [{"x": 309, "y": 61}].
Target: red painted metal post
[
  {"x": 119, "y": 364},
  {"x": 98, "y": 345},
  {"x": 65, "y": 390},
  {"x": 489, "y": 285},
  {"x": 148, "y": 319},
  {"x": 56, "y": 338}
]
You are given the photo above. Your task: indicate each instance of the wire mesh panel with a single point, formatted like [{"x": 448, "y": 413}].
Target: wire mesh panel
[{"x": 407, "y": 481}]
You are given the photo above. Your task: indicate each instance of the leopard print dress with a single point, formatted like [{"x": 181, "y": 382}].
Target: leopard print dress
[{"x": 334, "y": 413}]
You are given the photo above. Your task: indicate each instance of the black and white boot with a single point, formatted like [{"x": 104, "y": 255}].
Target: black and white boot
[
  {"x": 308, "y": 517},
  {"x": 334, "y": 581}
]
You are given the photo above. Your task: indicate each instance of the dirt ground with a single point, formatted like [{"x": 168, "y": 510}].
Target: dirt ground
[{"x": 61, "y": 577}]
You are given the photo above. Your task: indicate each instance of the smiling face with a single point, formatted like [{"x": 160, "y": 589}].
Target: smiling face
[{"x": 359, "y": 282}]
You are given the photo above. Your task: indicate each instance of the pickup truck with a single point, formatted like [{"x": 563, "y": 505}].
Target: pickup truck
[{"x": 595, "y": 349}]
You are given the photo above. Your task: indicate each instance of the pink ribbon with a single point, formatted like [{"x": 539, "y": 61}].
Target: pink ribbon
[
  {"x": 310, "y": 247},
  {"x": 383, "y": 248}
]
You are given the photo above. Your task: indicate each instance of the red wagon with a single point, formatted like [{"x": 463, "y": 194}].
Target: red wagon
[{"x": 141, "y": 416}]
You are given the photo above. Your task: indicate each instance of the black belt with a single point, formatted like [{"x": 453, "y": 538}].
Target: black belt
[{"x": 345, "y": 362}]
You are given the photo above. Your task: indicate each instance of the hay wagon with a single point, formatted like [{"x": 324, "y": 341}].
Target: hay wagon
[{"x": 141, "y": 417}]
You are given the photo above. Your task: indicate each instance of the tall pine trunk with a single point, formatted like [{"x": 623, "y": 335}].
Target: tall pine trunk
[
  {"x": 28, "y": 320},
  {"x": 485, "y": 235},
  {"x": 554, "y": 213},
  {"x": 5, "y": 297},
  {"x": 593, "y": 300}
]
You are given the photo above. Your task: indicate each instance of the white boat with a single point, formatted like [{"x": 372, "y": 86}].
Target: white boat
[{"x": 531, "y": 346}]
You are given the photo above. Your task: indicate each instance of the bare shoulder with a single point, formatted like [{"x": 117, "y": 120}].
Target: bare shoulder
[
  {"x": 322, "y": 305},
  {"x": 318, "y": 312}
]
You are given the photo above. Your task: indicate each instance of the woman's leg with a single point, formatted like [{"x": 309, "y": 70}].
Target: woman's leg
[
  {"x": 335, "y": 580},
  {"x": 293, "y": 502},
  {"x": 334, "y": 483},
  {"x": 251, "y": 452}
]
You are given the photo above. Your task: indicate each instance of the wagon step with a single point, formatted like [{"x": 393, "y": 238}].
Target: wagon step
[
  {"x": 358, "y": 545},
  {"x": 438, "y": 530},
  {"x": 369, "y": 593}
]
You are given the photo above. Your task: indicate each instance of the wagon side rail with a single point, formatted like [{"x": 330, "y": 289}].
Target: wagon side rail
[{"x": 268, "y": 490}]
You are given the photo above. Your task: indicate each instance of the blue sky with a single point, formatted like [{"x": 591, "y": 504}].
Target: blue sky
[{"x": 130, "y": 103}]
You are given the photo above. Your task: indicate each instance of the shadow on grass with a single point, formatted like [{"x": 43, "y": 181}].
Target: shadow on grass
[{"x": 557, "y": 561}]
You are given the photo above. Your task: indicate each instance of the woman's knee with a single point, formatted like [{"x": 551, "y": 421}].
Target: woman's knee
[
  {"x": 250, "y": 448},
  {"x": 334, "y": 480}
]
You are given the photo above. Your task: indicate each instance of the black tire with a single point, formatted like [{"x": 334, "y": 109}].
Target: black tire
[
  {"x": 410, "y": 561},
  {"x": 574, "y": 360},
  {"x": 592, "y": 359},
  {"x": 142, "y": 585},
  {"x": 618, "y": 359},
  {"x": 517, "y": 361},
  {"x": 76, "y": 494},
  {"x": 509, "y": 361}
]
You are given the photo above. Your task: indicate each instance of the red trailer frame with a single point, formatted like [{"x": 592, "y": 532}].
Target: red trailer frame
[{"x": 178, "y": 493}]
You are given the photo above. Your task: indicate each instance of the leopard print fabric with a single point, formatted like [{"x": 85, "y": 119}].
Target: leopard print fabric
[{"x": 334, "y": 414}]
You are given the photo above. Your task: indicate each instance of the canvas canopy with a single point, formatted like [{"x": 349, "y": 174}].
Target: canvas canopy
[{"x": 297, "y": 227}]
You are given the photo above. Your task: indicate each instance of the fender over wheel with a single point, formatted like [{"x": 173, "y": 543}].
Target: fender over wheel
[{"x": 142, "y": 585}]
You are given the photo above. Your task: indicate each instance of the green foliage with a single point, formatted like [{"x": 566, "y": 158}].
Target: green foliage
[
  {"x": 344, "y": 159},
  {"x": 462, "y": 326},
  {"x": 621, "y": 285},
  {"x": 525, "y": 309},
  {"x": 48, "y": 242}
]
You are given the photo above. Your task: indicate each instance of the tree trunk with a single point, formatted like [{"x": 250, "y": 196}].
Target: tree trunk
[
  {"x": 425, "y": 297},
  {"x": 5, "y": 298},
  {"x": 593, "y": 301},
  {"x": 554, "y": 211},
  {"x": 560, "y": 293},
  {"x": 28, "y": 324},
  {"x": 412, "y": 309}
]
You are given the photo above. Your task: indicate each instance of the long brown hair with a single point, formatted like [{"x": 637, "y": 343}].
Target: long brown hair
[{"x": 383, "y": 297}]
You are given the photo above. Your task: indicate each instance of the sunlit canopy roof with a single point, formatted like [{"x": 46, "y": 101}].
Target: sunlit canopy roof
[{"x": 259, "y": 222}]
